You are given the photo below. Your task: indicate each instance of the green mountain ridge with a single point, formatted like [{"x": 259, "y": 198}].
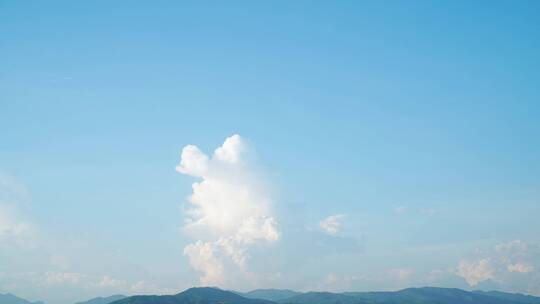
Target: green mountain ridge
[
  {"x": 103, "y": 300},
  {"x": 270, "y": 294},
  {"x": 211, "y": 295},
  {"x": 429, "y": 295},
  {"x": 197, "y": 295},
  {"x": 424, "y": 295},
  {"x": 516, "y": 297}
]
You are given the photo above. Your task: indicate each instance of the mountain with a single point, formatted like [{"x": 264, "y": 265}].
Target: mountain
[
  {"x": 431, "y": 295},
  {"x": 516, "y": 297},
  {"x": 201, "y": 295},
  {"x": 425, "y": 295},
  {"x": 270, "y": 294},
  {"x": 322, "y": 298},
  {"x": 11, "y": 299},
  {"x": 103, "y": 300}
]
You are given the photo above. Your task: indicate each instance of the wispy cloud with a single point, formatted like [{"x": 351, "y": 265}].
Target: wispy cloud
[{"x": 332, "y": 224}]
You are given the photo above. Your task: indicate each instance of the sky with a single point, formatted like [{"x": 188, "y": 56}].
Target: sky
[{"x": 147, "y": 147}]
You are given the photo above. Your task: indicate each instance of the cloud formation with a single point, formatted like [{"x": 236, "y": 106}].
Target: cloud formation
[
  {"x": 332, "y": 224},
  {"x": 505, "y": 264},
  {"x": 228, "y": 210},
  {"x": 475, "y": 272}
]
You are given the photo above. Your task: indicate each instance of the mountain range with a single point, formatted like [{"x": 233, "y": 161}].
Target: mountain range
[
  {"x": 103, "y": 300},
  {"x": 11, "y": 299},
  {"x": 209, "y": 295}
]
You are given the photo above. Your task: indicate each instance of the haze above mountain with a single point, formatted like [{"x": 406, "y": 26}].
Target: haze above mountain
[{"x": 209, "y": 295}]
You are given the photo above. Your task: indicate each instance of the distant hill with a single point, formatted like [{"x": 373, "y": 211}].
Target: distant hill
[
  {"x": 11, "y": 299},
  {"x": 103, "y": 300},
  {"x": 270, "y": 294},
  {"x": 322, "y": 298},
  {"x": 201, "y": 295},
  {"x": 516, "y": 297},
  {"x": 430, "y": 295},
  {"x": 425, "y": 295}
]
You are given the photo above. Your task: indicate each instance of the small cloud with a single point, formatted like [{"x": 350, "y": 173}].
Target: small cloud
[
  {"x": 332, "y": 224},
  {"x": 520, "y": 267}
]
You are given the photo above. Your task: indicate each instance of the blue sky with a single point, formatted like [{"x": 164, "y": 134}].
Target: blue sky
[{"x": 410, "y": 129}]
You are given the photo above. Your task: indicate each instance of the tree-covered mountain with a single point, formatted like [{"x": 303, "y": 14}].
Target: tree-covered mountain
[
  {"x": 270, "y": 294},
  {"x": 208, "y": 295},
  {"x": 103, "y": 300},
  {"x": 322, "y": 298},
  {"x": 201, "y": 295},
  {"x": 430, "y": 295},
  {"x": 11, "y": 299},
  {"x": 426, "y": 295},
  {"x": 516, "y": 297}
]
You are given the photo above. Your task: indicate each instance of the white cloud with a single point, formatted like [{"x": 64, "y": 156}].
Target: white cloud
[
  {"x": 332, "y": 224},
  {"x": 203, "y": 257},
  {"x": 520, "y": 267},
  {"x": 504, "y": 264},
  {"x": 475, "y": 272},
  {"x": 231, "y": 149},
  {"x": 228, "y": 211}
]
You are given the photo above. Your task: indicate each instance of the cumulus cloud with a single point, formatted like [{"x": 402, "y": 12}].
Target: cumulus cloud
[
  {"x": 332, "y": 224},
  {"x": 228, "y": 211},
  {"x": 475, "y": 272},
  {"x": 504, "y": 263}
]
